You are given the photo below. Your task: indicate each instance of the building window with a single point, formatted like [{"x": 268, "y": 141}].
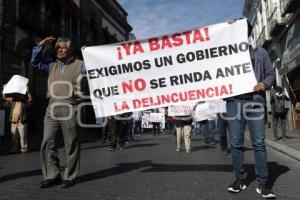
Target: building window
[
  {"x": 92, "y": 31},
  {"x": 67, "y": 25},
  {"x": 74, "y": 33},
  {"x": 29, "y": 13}
]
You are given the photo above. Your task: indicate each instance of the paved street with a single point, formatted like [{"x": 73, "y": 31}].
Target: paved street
[{"x": 149, "y": 168}]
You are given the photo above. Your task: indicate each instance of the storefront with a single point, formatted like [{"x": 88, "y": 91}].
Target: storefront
[{"x": 291, "y": 68}]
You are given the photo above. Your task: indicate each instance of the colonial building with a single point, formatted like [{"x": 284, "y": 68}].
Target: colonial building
[
  {"x": 25, "y": 22},
  {"x": 277, "y": 29}
]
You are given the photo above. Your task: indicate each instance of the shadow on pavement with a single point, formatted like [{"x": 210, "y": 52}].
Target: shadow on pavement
[
  {"x": 143, "y": 140},
  {"x": 275, "y": 170},
  {"x": 197, "y": 148},
  {"x": 119, "y": 169},
  {"x": 142, "y": 145},
  {"x": 182, "y": 167},
  {"x": 95, "y": 147},
  {"x": 25, "y": 174}
]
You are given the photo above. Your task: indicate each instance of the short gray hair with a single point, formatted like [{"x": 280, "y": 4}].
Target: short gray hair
[{"x": 66, "y": 40}]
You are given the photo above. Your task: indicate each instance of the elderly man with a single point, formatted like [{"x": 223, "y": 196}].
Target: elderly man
[{"x": 63, "y": 84}]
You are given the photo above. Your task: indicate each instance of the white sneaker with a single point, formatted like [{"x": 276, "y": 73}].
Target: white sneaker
[{"x": 265, "y": 193}]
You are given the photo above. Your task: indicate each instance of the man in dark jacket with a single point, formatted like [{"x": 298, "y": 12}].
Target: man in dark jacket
[
  {"x": 278, "y": 111},
  {"x": 249, "y": 109}
]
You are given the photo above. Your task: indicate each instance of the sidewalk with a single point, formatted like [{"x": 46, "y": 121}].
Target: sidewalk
[{"x": 290, "y": 147}]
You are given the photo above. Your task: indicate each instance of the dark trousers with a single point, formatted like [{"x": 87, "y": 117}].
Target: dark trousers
[
  {"x": 106, "y": 131},
  {"x": 138, "y": 127},
  {"x": 282, "y": 119},
  {"x": 118, "y": 128},
  {"x": 222, "y": 130},
  {"x": 156, "y": 128},
  {"x": 129, "y": 130}
]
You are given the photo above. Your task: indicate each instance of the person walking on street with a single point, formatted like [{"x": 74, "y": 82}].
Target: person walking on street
[
  {"x": 279, "y": 111},
  {"x": 64, "y": 95},
  {"x": 155, "y": 125},
  {"x": 249, "y": 109},
  {"x": 183, "y": 126},
  {"x": 119, "y": 123},
  {"x": 223, "y": 130},
  {"x": 18, "y": 119}
]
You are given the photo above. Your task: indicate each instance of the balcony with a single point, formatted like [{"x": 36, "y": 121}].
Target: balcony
[
  {"x": 266, "y": 43},
  {"x": 117, "y": 12},
  {"x": 276, "y": 22},
  {"x": 261, "y": 38},
  {"x": 262, "y": 41},
  {"x": 289, "y": 6}
]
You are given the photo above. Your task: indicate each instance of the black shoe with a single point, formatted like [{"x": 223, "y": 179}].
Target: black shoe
[
  {"x": 226, "y": 152},
  {"x": 212, "y": 142},
  {"x": 50, "y": 182},
  {"x": 67, "y": 183},
  {"x": 265, "y": 193},
  {"x": 237, "y": 186},
  {"x": 206, "y": 141}
]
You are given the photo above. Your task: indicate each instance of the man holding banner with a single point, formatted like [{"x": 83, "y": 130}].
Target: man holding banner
[
  {"x": 16, "y": 93},
  {"x": 201, "y": 64},
  {"x": 249, "y": 109},
  {"x": 183, "y": 123}
]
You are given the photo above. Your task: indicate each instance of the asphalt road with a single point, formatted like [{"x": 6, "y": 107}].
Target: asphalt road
[{"x": 148, "y": 169}]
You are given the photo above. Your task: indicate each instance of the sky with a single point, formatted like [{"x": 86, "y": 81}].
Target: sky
[{"x": 158, "y": 17}]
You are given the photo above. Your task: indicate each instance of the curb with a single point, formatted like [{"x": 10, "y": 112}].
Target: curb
[{"x": 295, "y": 154}]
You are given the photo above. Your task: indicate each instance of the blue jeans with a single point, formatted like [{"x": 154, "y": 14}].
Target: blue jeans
[
  {"x": 172, "y": 128},
  {"x": 222, "y": 131},
  {"x": 129, "y": 130},
  {"x": 208, "y": 128},
  {"x": 239, "y": 113}
]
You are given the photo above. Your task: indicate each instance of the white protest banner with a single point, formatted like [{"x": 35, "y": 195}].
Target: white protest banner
[
  {"x": 157, "y": 117},
  {"x": 149, "y": 117},
  {"x": 137, "y": 115},
  {"x": 218, "y": 106},
  {"x": 200, "y": 64},
  {"x": 17, "y": 84},
  {"x": 203, "y": 112},
  {"x": 181, "y": 110},
  {"x": 145, "y": 120}
]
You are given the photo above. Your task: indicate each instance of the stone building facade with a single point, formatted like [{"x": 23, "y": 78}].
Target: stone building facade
[
  {"x": 277, "y": 29},
  {"x": 25, "y": 22}
]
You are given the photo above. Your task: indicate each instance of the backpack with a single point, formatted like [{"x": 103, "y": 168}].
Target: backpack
[{"x": 279, "y": 104}]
